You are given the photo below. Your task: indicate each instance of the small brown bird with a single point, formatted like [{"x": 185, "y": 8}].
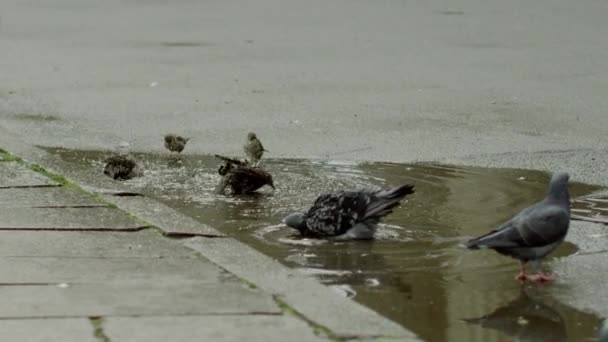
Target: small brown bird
[
  {"x": 175, "y": 143},
  {"x": 254, "y": 149},
  {"x": 120, "y": 167},
  {"x": 229, "y": 163},
  {"x": 244, "y": 179}
]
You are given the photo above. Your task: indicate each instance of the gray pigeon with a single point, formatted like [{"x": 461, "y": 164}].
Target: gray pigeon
[
  {"x": 535, "y": 231},
  {"x": 253, "y": 149},
  {"x": 348, "y": 215},
  {"x": 175, "y": 143}
]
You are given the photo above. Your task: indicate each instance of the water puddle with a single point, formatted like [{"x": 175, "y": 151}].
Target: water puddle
[{"x": 415, "y": 272}]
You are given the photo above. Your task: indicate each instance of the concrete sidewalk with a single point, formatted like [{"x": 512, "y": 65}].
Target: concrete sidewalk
[{"x": 74, "y": 266}]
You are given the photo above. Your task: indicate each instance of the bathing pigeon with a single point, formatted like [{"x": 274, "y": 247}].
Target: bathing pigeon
[
  {"x": 348, "y": 215},
  {"x": 535, "y": 231},
  {"x": 253, "y": 149},
  {"x": 175, "y": 143}
]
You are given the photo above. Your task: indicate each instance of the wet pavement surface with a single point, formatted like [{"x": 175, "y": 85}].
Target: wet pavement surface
[{"x": 415, "y": 272}]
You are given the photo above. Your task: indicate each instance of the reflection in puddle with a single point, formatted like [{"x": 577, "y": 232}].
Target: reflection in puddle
[
  {"x": 525, "y": 319},
  {"x": 414, "y": 273}
]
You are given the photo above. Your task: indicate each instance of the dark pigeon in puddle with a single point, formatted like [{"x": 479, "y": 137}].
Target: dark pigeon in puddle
[
  {"x": 175, "y": 143},
  {"x": 348, "y": 215},
  {"x": 535, "y": 231},
  {"x": 121, "y": 167},
  {"x": 254, "y": 150}
]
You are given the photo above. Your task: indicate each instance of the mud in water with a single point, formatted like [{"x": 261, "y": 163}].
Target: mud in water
[{"x": 415, "y": 272}]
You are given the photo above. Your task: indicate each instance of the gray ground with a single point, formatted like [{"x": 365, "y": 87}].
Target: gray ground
[{"x": 507, "y": 84}]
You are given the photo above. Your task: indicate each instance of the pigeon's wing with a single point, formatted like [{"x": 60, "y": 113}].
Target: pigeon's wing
[
  {"x": 382, "y": 202},
  {"x": 335, "y": 213},
  {"x": 544, "y": 225},
  {"x": 535, "y": 226}
]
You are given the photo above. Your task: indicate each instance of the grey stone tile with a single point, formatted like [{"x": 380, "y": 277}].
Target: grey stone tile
[
  {"x": 47, "y": 330},
  {"x": 253, "y": 328},
  {"x": 135, "y": 299},
  {"x": 45, "y": 197},
  {"x": 67, "y": 218},
  {"x": 163, "y": 217},
  {"x": 142, "y": 244},
  {"x": 14, "y": 174},
  {"x": 53, "y": 270}
]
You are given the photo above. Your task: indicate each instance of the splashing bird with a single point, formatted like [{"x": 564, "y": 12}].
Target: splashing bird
[
  {"x": 534, "y": 232},
  {"x": 121, "y": 167},
  {"x": 254, "y": 150},
  {"x": 240, "y": 177},
  {"x": 245, "y": 180},
  {"x": 175, "y": 143},
  {"x": 348, "y": 215}
]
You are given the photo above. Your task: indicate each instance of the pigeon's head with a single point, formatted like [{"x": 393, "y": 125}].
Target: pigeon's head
[
  {"x": 251, "y": 136},
  {"x": 558, "y": 187},
  {"x": 168, "y": 138},
  {"x": 296, "y": 221}
]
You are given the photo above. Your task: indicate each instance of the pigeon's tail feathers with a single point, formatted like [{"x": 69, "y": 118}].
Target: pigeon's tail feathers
[
  {"x": 386, "y": 200},
  {"x": 502, "y": 238}
]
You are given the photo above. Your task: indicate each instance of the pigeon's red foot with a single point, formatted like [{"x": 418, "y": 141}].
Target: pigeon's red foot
[
  {"x": 521, "y": 276},
  {"x": 541, "y": 277}
]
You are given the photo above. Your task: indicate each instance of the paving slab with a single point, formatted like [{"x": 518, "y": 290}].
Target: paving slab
[
  {"x": 575, "y": 286},
  {"x": 102, "y": 300},
  {"x": 332, "y": 311},
  {"x": 14, "y": 174},
  {"x": 582, "y": 282},
  {"x": 46, "y": 197},
  {"x": 91, "y": 244},
  {"x": 47, "y": 330},
  {"x": 209, "y": 328},
  {"x": 68, "y": 219},
  {"x": 166, "y": 271},
  {"x": 588, "y": 237},
  {"x": 167, "y": 219}
]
